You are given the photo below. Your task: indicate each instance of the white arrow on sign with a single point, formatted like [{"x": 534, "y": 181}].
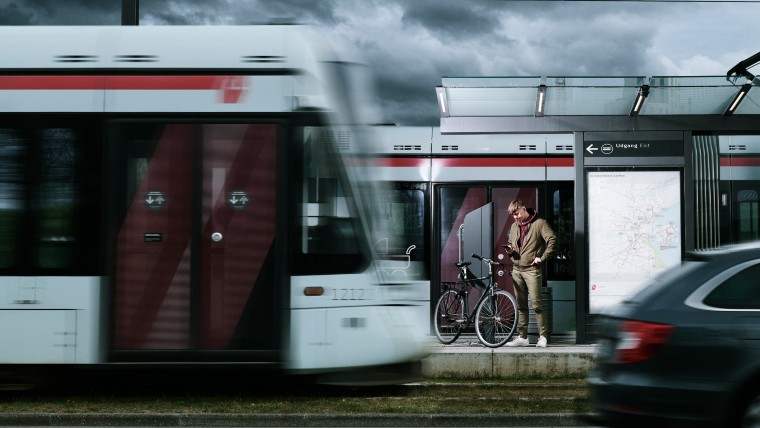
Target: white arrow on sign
[{"x": 591, "y": 149}]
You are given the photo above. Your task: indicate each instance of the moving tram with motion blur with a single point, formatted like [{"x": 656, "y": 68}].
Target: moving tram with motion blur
[{"x": 175, "y": 197}]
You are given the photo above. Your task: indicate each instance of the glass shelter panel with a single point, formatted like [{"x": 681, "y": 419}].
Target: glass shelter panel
[
  {"x": 492, "y": 101},
  {"x": 591, "y": 96},
  {"x": 688, "y": 95},
  {"x": 751, "y": 103}
]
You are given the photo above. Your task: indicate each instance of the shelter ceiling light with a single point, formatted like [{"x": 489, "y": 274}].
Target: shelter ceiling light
[
  {"x": 640, "y": 97},
  {"x": 442, "y": 101},
  {"x": 738, "y": 98},
  {"x": 540, "y": 100}
]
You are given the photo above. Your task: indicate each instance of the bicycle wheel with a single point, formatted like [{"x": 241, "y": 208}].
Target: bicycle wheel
[
  {"x": 496, "y": 319},
  {"x": 449, "y": 318}
]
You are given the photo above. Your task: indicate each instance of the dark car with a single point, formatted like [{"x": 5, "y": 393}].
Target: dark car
[{"x": 686, "y": 349}]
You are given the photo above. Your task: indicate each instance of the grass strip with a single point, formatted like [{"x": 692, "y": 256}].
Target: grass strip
[{"x": 433, "y": 396}]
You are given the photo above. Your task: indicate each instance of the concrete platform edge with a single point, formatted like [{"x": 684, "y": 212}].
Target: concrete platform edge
[{"x": 473, "y": 362}]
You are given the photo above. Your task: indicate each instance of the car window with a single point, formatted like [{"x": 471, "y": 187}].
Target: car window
[{"x": 740, "y": 291}]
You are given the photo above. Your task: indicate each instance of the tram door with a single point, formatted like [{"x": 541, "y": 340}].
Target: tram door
[
  {"x": 194, "y": 263},
  {"x": 744, "y": 212},
  {"x": 455, "y": 202}
]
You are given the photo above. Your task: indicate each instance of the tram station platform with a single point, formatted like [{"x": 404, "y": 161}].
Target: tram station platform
[{"x": 468, "y": 358}]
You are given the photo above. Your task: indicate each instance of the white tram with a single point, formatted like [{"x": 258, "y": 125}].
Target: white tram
[
  {"x": 440, "y": 181},
  {"x": 176, "y": 196}
]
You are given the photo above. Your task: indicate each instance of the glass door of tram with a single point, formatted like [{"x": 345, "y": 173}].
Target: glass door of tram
[
  {"x": 195, "y": 262},
  {"x": 454, "y": 203}
]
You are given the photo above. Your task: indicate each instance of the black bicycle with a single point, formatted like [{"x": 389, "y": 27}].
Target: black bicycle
[{"x": 495, "y": 315}]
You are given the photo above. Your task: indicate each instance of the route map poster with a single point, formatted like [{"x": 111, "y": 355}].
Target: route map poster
[{"x": 634, "y": 231}]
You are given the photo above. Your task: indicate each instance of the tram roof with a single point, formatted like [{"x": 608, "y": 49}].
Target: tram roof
[{"x": 598, "y": 103}]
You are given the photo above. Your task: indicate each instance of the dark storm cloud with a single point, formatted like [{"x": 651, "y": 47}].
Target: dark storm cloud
[
  {"x": 322, "y": 12},
  {"x": 12, "y": 14},
  {"x": 57, "y": 12},
  {"x": 408, "y": 99},
  {"x": 450, "y": 20},
  {"x": 417, "y": 42},
  {"x": 605, "y": 42},
  {"x": 406, "y": 82},
  {"x": 410, "y": 44},
  {"x": 184, "y": 12},
  {"x": 173, "y": 12}
]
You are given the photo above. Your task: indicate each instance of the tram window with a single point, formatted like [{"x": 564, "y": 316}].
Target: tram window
[
  {"x": 58, "y": 197},
  {"x": 12, "y": 194},
  {"x": 402, "y": 213},
  {"x": 330, "y": 229},
  {"x": 748, "y": 215},
  {"x": 561, "y": 217},
  {"x": 398, "y": 234},
  {"x": 48, "y": 204}
]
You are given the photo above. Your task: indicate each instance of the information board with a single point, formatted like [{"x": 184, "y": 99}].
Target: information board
[{"x": 634, "y": 231}]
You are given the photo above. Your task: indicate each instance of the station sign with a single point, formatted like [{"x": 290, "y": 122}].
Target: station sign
[{"x": 633, "y": 149}]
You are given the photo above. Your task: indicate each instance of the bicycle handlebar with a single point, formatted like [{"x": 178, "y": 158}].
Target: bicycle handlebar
[{"x": 486, "y": 260}]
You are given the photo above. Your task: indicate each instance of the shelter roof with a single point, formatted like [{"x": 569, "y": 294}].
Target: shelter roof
[{"x": 615, "y": 97}]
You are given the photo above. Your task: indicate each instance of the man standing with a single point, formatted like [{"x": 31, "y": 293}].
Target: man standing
[{"x": 531, "y": 241}]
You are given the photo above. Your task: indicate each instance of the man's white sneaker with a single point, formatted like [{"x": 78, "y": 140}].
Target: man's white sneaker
[
  {"x": 519, "y": 341},
  {"x": 541, "y": 342}
]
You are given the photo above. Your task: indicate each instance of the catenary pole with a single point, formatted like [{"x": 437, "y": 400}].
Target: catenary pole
[{"x": 130, "y": 12}]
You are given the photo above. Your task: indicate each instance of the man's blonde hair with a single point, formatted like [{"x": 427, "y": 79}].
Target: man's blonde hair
[{"x": 515, "y": 205}]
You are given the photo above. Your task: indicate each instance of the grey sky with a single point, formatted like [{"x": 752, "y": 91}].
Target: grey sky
[{"x": 411, "y": 44}]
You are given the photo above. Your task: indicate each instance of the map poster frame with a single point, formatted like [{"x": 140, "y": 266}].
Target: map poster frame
[{"x": 634, "y": 230}]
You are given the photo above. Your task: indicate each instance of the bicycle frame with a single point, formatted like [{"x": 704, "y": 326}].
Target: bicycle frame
[
  {"x": 490, "y": 286},
  {"x": 494, "y": 315}
]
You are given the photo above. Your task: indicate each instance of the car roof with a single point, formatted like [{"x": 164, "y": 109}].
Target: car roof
[
  {"x": 674, "y": 285},
  {"x": 746, "y": 250}
]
